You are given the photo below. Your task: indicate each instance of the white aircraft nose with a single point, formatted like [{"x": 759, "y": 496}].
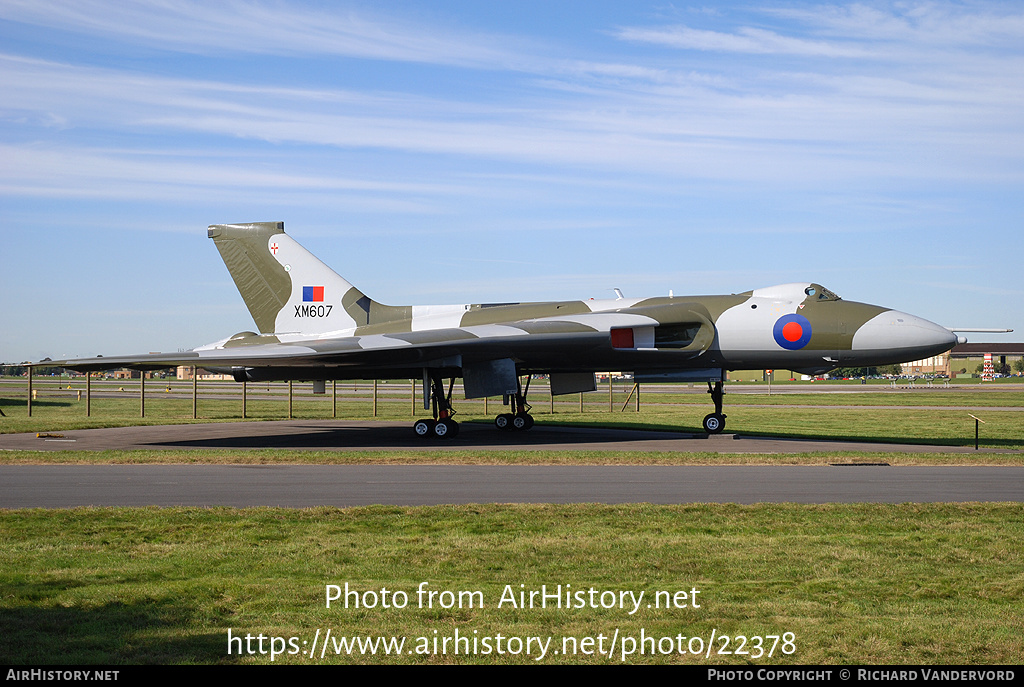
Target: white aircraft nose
[{"x": 902, "y": 333}]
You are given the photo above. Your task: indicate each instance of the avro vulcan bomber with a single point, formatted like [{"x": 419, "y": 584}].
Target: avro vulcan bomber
[{"x": 312, "y": 324}]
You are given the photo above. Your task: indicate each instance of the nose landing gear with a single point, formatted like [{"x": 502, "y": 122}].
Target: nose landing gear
[{"x": 714, "y": 422}]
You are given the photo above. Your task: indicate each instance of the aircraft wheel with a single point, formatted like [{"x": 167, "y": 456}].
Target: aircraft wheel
[
  {"x": 714, "y": 423},
  {"x": 519, "y": 422},
  {"x": 529, "y": 422},
  {"x": 503, "y": 421},
  {"x": 446, "y": 429},
  {"x": 423, "y": 428}
]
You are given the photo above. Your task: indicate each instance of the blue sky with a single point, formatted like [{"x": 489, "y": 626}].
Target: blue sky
[{"x": 445, "y": 152}]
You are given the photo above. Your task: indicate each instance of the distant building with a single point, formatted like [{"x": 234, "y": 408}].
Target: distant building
[
  {"x": 124, "y": 373},
  {"x": 185, "y": 372},
  {"x": 936, "y": 365},
  {"x": 968, "y": 356}
]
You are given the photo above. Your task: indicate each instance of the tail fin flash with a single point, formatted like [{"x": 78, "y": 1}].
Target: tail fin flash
[{"x": 286, "y": 288}]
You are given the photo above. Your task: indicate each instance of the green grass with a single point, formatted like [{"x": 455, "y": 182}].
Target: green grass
[
  {"x": 938, "y": 417},
  {"x": 492, "y": 457},
  {"x": 967, "y": 398},
  {"x": 1003, "y": 429},
  {"x": 855, "y": 583}
]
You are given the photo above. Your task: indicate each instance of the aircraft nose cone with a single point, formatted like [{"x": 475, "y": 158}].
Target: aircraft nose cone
[{"x": 904, "y": 336}]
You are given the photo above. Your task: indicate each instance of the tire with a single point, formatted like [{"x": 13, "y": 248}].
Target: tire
[
  {"x": 423, "y": 428},
  {"x": 453, "y": 429},
  {"x": 529, "y": 422},
  {"x": 503, "y": 422},
  {"x": 446, "y": 429},
  {"x": 714, "y": 423},
  {"x": 519, "y": 422}
]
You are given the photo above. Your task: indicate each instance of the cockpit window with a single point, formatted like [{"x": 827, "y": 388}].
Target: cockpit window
[{"x": 819, "y": 292}]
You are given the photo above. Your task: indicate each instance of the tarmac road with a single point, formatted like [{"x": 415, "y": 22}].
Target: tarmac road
[
  {"x": 58, "y": 486},
  {"x": 301, "y": 486}
]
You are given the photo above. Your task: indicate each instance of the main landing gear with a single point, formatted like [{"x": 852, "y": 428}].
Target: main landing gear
[
  {"x": 714, "y": 422},
  {"x": 519, "y": 420},
  {"x": 441, "y": 425}
]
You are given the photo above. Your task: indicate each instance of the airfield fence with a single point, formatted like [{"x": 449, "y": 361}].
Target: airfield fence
[{"x": 284, "y": 399}]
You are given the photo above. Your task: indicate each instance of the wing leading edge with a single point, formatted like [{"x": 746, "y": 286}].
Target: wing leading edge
[{"x": 578, "y": 343}]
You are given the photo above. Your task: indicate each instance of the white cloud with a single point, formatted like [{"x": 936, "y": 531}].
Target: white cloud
[
  {"x": 943, "y": 25},
  {"x": 745, "y": 40},
  {"x": 64, "y": 172},
  {"x": 826, "y": 126},
  {"x": 802, "y": 125},
  {"x": 263, "y": 28}
]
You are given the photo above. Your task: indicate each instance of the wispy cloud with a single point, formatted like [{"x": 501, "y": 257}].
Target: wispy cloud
[
  {"x": 855, "y": 30},
  {"x": 744, "y": 40},
  {"x": 944, "y": 25},
  {"x": 67, "y": 172},
  {"x": 855, "y": 126},
  {"x": 265, "y": 28},
  {"x": 840, "y": 141}
]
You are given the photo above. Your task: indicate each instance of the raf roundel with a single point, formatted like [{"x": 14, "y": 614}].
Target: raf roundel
[{"x": 792, "y": 332}]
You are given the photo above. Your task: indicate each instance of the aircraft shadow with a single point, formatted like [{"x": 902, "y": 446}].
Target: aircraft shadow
[
  {"x": 146, "y": 632},
  {"x": 324, "y": 435},
  {"x": 319, "y": 436}
]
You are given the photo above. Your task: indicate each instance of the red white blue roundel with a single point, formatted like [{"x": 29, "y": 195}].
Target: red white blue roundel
[{"x": 792, "y": 332}]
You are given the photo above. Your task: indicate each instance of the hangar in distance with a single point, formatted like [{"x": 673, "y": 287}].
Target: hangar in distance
[{"x": 312, "y": 324}]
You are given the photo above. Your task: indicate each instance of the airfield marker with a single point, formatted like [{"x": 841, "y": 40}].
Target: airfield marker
[
  {"x": 634, "y": 390},
  {"x": 976, "y": 421}
]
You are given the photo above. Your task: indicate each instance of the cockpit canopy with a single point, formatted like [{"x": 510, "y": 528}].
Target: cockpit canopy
[{"x": 819, "y": 292}]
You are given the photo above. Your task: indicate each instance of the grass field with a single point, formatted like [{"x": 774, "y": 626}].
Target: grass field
[
  {"x": 922, "y": 415},
  {"x": 889, "y": 584},
  {"x": 853, "y": 583},
  {"x": 493, "y": 457}
]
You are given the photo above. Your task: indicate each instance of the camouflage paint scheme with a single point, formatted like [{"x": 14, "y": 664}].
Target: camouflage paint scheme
[{"x": 313, "y": 324}]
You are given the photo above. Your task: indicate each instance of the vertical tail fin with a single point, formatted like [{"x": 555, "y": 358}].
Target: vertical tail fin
[{"x": 286, "y": 288}]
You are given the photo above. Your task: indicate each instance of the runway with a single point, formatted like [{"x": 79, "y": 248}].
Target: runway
[{"x": 302, "y": 486}]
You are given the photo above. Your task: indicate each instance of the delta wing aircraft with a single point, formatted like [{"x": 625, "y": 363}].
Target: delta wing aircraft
[{"x": 314, "y": 325}]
